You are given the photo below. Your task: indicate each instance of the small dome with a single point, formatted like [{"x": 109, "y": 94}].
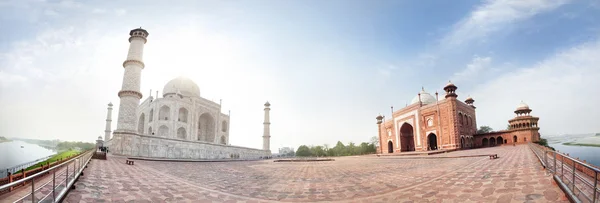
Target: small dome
[
  {"x": 426, "y": 98},
  {"x": 183, "y": 86},
  {"x": 522, "y": 106},
  {"x": 469, "y": 98},
  {"x": 450, "y": 84},
  {"x": 99, "y": 137},
  {"x": 110, "y": 104}
]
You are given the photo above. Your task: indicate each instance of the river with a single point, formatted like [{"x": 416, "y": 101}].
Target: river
[
  {"x": 590, "y": 154},
  {"x": 12, "y": 154}
]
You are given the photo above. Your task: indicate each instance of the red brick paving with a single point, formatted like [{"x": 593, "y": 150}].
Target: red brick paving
[{"x": 516, "y": 176}]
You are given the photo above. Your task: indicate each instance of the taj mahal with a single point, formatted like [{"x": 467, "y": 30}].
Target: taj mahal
[{"x": 179, "y": 125}]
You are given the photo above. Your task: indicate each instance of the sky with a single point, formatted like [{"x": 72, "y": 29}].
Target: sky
[{"x": 328, "y": 68}]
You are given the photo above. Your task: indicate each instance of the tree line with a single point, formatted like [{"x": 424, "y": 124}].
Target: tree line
[
  {"x": 73, "y": 145},
  {"x": 339, "y": 150}
]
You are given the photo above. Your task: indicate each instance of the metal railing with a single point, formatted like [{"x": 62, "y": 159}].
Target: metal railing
[
  {"x": 580, "y": 178},
  {"x": 64, "y": 176}
]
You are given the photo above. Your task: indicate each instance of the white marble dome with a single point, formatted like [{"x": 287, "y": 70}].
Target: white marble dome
[
  {"x": 522, "y": 105},
  {"x": 426, "y": 98},
  {"x": 183, "y": 86}
]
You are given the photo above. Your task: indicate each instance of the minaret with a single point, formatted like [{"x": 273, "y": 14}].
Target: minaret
[
  {"x": 130, "y": 94},
  {"x": 267, "y": 131},
  {"x": 108, "y": 122}
]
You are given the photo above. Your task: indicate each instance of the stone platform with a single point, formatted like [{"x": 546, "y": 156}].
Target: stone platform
[{"x": 516, "y": 176}]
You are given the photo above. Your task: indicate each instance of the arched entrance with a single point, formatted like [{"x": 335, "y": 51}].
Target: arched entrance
[
  {"x": 462, "y": 142},
  {"x": 407, "y": 138},
  {"x": 390, "y": 147},
  {"x": 515, "y": 139},
  {"x": 432, "y": 141},
  {"x": 499, "y": 141},
  {"x": 484, "y": 142},
  {"x": 492, "y": 142}
]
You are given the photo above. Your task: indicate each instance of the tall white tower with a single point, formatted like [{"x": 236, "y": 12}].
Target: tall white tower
[
  {"x": 130, "y": 94},
  {"x": 108, "y": 122},
  {"x": 267, "y": 131}
]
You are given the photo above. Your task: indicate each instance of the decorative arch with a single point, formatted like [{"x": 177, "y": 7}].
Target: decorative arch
[
  {"x": 462, "y": 143},
  {"x": 432, "y": 141},
  {"x": 224, "y": 126},
  {"x": 163, "y": 131},
  {"x": 515, "y": 139},
  {"x": 181, "y": 133},
  {"x": 390, "y": 147},
  {"x": 151, "y": 116},
  {"x": 223, "y": 140},
  {"x": 407, "y": 138},
  {"x": 460, "y": 118},
  {"x": 485, "y": 142},
  {"x": 206, "y": 128},
  {"x": 499, "y": 141},
  {"x": 150, "y": 131},
  {"x": 141, "y": 123},
  {"x": 183, "y": 115},
  {"x": 492, "y": 142},
  {"x": 164, "y": 113}
]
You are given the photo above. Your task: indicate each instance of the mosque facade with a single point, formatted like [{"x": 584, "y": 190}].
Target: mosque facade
[
  {"x": 179, "y": 125},
  {"x": 430, "y": 123}
]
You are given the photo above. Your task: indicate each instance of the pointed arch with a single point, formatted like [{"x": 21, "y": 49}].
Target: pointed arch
[
  {"x": 164, "y": 113},
  {"x": 151, "y": 116},
  {"x": 141, "y": 123},
  {"x": 150, "y": 131},
  {"x": 163, "y": 131},
  {"x": 460, "y": 118},
  {"x": 181, "y": 133},
  {"x": 206, "y": 128},
  {"x": 223, "y": 140},
  {"x": 183, "y": 115},
  {"x": 224, "y": 126},
  {"x": 407, "y": 138}
]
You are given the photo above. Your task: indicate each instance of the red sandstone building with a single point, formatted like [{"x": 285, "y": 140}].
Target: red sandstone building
[{"x": 429, "y": 123}]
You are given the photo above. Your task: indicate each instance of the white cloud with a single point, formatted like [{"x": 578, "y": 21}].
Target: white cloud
[
  {"x": 561, "y": 90},
  {"x": 120, "y": 12},
  {"x": 495, "y": 16},
  {"x": 477, "y": 66}
]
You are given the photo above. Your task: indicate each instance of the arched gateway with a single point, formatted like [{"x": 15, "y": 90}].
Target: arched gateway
[
  {"x": 390, "y": 147},
  {"x": 432, "y": 141},
  {"x": 407, "y": 138}
]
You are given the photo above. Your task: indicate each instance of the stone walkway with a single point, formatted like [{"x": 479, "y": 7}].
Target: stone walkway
[{"x": 516, "y": 176}]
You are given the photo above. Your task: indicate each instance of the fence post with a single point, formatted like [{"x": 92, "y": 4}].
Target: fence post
[
  {"x": 54, "y": 185},
  {"x": 595, "y": 185},
  {"x": 10, "y": 179},
  {"x": 574, "y": 176},
  {"x": 555, "y": 163},
  {"x": 32, "y": 190}
]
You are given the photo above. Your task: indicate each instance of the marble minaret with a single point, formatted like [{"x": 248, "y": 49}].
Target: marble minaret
[
  {"x": 108, "y": 122},
  {"x": 267, "y": 131},
  {"x": 130, "y": 95}
]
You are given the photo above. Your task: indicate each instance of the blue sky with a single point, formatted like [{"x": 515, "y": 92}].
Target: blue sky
[{"x": 327, "y": 67}]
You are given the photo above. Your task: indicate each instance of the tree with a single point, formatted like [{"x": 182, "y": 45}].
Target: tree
[
  {"x": 375, "y": 141},
  {"x": 303, "y": 150},
  {"x": 508, "y": 126},
  {"x": 484, "y": 129}
]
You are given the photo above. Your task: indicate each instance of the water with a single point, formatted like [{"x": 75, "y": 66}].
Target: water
[
  {"x": 590, "y": 154},
  {"x": 11, "y": 153}
]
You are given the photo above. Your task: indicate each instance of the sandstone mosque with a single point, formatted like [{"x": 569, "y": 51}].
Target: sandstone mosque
[
  {"x": 180, "y": 125},
  {"x": 430, "y": 123}
]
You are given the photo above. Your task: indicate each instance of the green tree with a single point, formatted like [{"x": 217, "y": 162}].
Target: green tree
[
  {"x": 303, "y": 150},
  {"x": 375, "y": 141},
  {"x": 318, "y": 151},
  {"x": 484, "y": 129},
  {"x": 339, "y": 149}
]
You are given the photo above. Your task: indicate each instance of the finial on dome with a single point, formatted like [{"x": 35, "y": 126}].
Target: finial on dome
[
  {"x": 267, "y": 104},
  {"x": 110, "y": 104}
]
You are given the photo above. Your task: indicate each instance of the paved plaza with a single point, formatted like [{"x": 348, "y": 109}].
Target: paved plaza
[{"x": 516, "y": 176}]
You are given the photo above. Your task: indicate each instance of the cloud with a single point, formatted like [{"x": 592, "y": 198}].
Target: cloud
[
  {"x": 561, "y": 90},
  {"x": 495, "y": 16},
  {"x": 477, "y": 67},
  {"x": 8, "y": 79},
  {"x": 120, "y": 12}
]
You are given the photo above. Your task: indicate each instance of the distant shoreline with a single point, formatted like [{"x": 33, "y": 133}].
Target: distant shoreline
[
  {"x": 3, "y": 141},
  {"x": 581, "y": 144}
]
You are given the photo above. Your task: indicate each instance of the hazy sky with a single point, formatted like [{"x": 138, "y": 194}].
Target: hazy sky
[{"x": 328, "y": 68}]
